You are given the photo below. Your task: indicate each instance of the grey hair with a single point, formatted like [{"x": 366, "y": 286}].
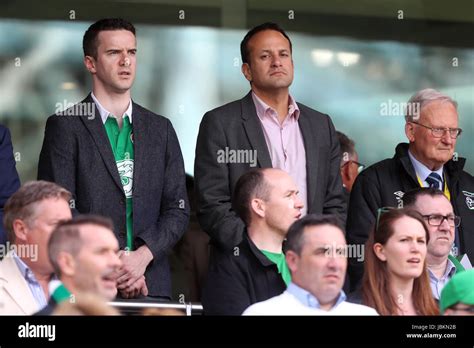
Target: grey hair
[{"x": 421, "y": 98}]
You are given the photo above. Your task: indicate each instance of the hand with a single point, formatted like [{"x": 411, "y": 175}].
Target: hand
[
  {"x": 137, "y": 288},
  {"x": 134, "y": 264}
]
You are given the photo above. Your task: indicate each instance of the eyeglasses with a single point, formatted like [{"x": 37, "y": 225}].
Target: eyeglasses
[
  {"x": 360, "y": 166},
  {"x": 439, "y": 132},
  {"x": 380, "y": 212},
  {"x": 437, "y": 220}
]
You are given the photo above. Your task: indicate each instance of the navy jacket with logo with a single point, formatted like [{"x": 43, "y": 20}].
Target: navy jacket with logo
[{"x": 384, "y": 183}]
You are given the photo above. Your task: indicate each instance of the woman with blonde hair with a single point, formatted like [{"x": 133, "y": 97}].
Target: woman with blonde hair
[{"x": 396, "y": 279}]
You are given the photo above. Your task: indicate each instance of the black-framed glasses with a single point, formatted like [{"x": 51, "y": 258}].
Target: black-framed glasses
[
  {"x": 438, "y": 132},
  {"x": 437, "y": 220},
  {"x": 360, "y": 166},
  {"x": 380, "y": 212}
]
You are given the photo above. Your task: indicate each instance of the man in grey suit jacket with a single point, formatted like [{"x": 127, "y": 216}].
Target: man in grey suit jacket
[
  {"x": 121, "y": 161},
  {"x": 266, "y": 128}
]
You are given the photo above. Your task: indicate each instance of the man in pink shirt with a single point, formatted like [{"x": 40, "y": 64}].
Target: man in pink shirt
[{"x": 267, "y": 128}]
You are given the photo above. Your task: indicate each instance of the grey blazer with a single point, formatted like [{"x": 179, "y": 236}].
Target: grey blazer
[
  {"x": 236, "y": 126},
  {"x": 77, "y": 155}
]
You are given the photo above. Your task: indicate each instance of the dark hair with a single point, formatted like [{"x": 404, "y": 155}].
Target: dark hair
[
  {"x": 376, "y": 291},
  {"x": 244, "y": 45},
  {"x": 295, "y": 236},
  {"x": 22, "y": 204},
  {"x": 250, "y": 185},
  {"x": 410, "y": 197},
  {"x": 346, "y": 145},
  {"x": 67, "y": 237},
  {"x": 89, "y": 42}
]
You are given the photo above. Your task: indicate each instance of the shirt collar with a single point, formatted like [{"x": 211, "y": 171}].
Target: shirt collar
[
  {"x": 422, "y": 170},
  {"x": 262, "y": 107},
  {"x": 448, "y": 272},
  {"x": 307, "y": 299},
  {"x": 104, "y": 113},
  {"x": 25, "y": 270},
  {"x": 23, "y": 267}
]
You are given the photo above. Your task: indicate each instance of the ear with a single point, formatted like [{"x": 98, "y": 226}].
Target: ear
[
  {"x": 292, "y": 260},
  {"x": 345, "y": 175},
  {"x": 247, "y": 72},
  {"x": 89, "y": 62},
  {"x": 258, "y": 207},
  {"x": 67, "y": 264},
  {"x": 20, "y": 229},
  {"x": 379, "y": 251},
  {"x": 410, "y": 131}
]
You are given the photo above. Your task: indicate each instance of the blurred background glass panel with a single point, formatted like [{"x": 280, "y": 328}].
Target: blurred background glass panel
[{"x": 358, "y": 63}]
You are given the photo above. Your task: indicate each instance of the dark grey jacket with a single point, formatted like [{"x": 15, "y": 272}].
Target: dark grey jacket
[
  {"x": 237, "y": 127},
  {"x": 77, "y": 155}
]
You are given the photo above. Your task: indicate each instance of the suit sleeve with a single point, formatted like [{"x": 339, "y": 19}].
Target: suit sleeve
[
  {"x": 57, "y": 161},
  {"x": 225, "y": 292},
  {"x": 364, "y": 202},
  {"x": 9, "y": 180},
  {"x": 213, "y": 187},
  {"x": 174, "y": 212},
  {"x": 334, "y": 202}
]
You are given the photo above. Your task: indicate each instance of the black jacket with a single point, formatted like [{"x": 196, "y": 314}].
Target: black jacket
[
  {"x": 238, "y": 278},
  {"x": 384, "y": 183}
]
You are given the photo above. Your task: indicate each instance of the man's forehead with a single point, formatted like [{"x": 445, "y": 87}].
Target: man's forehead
[
  {"x": 116, "y": 37},
  {"x": 268, "y": 38},
  {"x": 323, "y": 235},
  {"x": 438, "y": 204},
  {"x": 439, "y": 111}
]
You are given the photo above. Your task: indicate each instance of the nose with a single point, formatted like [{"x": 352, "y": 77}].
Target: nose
[
  {"x": 276, "y": 60},
  {"x": 298, "y": 203},
  {"x": 125, "y": 59},
  {"x": 445, "y": 227},
  {"x": 333, "y": 263},
  {"x": 414, "y": 247},
  {"x": 114, "y": 260},
  {"x": 446, "y": 138}
]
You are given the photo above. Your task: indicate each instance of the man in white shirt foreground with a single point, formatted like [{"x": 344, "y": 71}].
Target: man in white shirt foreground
[{"x": 316, "y": 256}]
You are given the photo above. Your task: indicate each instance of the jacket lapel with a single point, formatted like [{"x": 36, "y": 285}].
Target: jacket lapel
[
  {"x": 254, "y": 132},
  {"x": 15, "y": 285},
  {"x": 312, "y": 155},
  {"x": 140, "y": 145},
  {"x": 97, "y": 131}
]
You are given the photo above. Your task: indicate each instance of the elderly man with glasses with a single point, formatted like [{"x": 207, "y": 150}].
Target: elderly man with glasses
[{"x": 428, "y": 160}]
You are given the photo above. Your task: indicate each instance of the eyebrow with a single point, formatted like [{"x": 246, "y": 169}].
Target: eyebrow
[
  {"x": 292, "y": 191},
  {"x": 321, "y": 249},
  {"x": 411, "y": 237},
  {"x": 267, "y": 50},
  {"x": 119, "y": 50}
]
